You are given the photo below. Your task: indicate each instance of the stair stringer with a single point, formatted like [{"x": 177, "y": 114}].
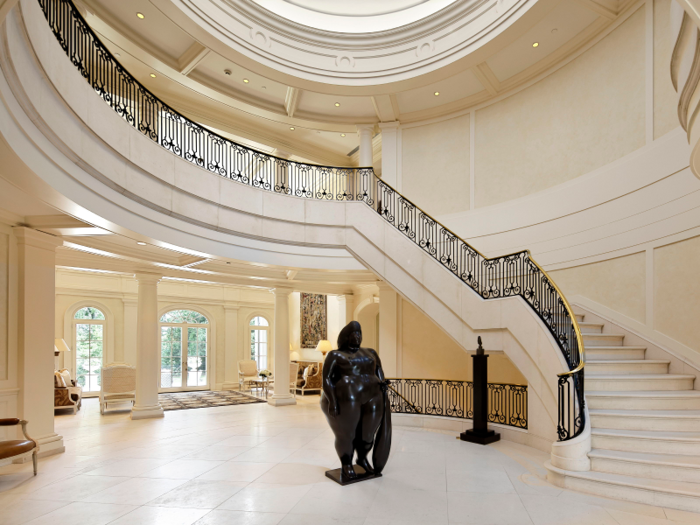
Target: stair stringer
[{"x": 72, "y": 149}]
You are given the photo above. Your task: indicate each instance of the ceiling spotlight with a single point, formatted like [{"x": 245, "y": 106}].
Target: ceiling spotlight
[
  {"x": 291, "y": 128},
  {"x": 264, "y": 87},
  {"x": 437, "y": 93},
  {"x": 141, "y": 243},
  {"x": 554, "y": 30},
  {"x": 337, "y": 104},
  {"x": 342, "y": 134},
  {"x": 153, "y": 75},
  {"x": 535, "y": 44},
  {"x": 245, "y": 80},
  {"x": 140, "y": 15},
  {"x": 227, "y": 72}
]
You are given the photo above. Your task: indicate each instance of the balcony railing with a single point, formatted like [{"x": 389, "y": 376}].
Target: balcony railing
[
  {"x": 511, "y": 275},
  {"x": 439, "y": 397}
]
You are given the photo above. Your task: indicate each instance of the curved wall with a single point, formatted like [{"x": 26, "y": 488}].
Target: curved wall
[{"x": 589, "y": 169}]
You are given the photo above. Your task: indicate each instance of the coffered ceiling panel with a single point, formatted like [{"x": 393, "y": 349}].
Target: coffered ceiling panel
[
  {"x": 155, "y": 30},
  {"x": 321, "y": 104},
  {"x": 561, "y": 25},
  {"x": 212, "y": 69},
  {"x": 454, "y": 88}
]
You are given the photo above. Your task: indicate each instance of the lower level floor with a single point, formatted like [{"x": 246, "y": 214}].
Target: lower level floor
[{"x": 257, "y": 464}]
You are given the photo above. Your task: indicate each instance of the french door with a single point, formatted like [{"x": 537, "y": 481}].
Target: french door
[{"x": 184, "y": 356}]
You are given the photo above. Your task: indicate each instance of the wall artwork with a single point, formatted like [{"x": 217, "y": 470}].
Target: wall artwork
[{"x": 313, "y": 319}]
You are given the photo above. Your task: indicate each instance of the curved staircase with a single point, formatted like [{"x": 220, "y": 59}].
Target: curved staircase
[{"x": 645, "y": 425}]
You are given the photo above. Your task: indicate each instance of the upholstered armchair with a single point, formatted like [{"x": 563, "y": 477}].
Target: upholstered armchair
[
  {"x": 118, "y": 384},
  {"x": 66, "y": 394},
  {"x": 247, "y": 371},
  {"x": 309, "y": 377},
  {"x": 18, "y": 448}
]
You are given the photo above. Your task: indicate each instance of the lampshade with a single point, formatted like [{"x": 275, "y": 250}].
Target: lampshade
[
  {"x": 59, "y": 345},
  {"x": 324, "y": 347}
]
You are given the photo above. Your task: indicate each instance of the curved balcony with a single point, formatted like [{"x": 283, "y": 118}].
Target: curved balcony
[{"x": 84, "y": 157}]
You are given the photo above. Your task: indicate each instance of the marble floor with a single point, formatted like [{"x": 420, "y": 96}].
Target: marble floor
[{"x": 259, "y": 465}]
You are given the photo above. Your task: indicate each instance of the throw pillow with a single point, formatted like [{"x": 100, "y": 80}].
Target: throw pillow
[
  {"x": 66, "y": 376},
  {"x": 58, "y": 381}
]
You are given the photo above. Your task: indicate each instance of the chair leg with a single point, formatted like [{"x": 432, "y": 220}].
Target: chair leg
[{"x": 34, "y": 461}]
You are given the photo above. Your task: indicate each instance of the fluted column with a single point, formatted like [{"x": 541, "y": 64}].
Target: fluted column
[
  {"x": 147, "y": 349},
  {"x": 366, "y": 154},
  {"x": 282, "y": 396}
]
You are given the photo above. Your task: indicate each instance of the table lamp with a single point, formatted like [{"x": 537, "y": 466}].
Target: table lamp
[
  {"x": 59, "y": 345},
  {"x": 324, "y": 347}
]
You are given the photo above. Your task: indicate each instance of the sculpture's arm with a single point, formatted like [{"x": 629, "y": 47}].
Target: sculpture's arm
[
  {"x": 379, "y": 370},
  {"x": 328, "y": 387}
]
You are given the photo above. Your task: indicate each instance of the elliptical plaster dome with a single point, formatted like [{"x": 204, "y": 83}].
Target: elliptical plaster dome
[{"x": 364, "y": 45}]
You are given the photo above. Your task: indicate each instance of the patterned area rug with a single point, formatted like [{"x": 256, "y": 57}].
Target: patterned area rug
[{"x": 204, "y": 399}]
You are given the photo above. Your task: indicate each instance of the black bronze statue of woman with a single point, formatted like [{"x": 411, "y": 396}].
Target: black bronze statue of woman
[{"x": 356, "y": 405}]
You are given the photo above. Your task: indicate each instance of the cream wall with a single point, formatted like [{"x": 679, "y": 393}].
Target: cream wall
[
  {"x": 426, "y": 352},
  {"x": 9, "y": 391},
  {"x": 677, "y": 292},
  {"x": 435, "y": 161},
  {"x": 619, "y": 284}
]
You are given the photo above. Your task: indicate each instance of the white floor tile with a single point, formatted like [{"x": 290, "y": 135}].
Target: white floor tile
[
  {"x": 134, "y": 491},
  {"x": 264, "y": 497},
  {"x": 161, "y": 516},
  {"x": 200, "y": 494},
  {"x": 236, "y": 517},
  {"x": 487, "y": 509},
  {"x": 82, "y": 513}
]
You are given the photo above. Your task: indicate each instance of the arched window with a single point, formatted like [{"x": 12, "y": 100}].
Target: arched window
[
  {"x": 89, "y": 325},
  {"x": 184, "y": 336},
  {"x": 258, "y": 341}
]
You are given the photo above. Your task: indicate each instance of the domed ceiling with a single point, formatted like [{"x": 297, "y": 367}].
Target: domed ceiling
[{"x": 269, "y": 74}]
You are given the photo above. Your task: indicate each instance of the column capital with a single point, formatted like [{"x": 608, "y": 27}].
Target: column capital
[
  {"x": 130, "y": 301},
  {"x": 29, "y": 237},
  {"x": 145, "y": 276},
  {"x": 364, "y": 128},
  {"x": 389, "y": 126},
  {"x": 384, "y": 286},
  {"x": 282, "y": 290}
]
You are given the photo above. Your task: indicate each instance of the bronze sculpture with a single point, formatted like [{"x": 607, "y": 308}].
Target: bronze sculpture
[{"x": 356, "y": 405}]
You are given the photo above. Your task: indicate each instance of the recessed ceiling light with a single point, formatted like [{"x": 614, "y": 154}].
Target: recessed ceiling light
[
  {"x": 342, "y": 134},
  {"x": 140, "y": 15},
  {"x": 554, "y": 30},
  {"x": 117, "y": 55},
  {"x": 245, "y": 80},
  {"x": 264, "y": 87},
  {"x": 227, "y": 72},
  {"x": 153, "y": 75},
  {"x": 535, "y": 44},
  {"x": 141, "y": 243},
  {"x": 337, "y": 104},
  {"x": 291, "y": 128},
  {"x": 437, "y": 93}
]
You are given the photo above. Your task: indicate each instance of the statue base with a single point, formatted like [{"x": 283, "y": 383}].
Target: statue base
[
  {"x": 482, "y": 438},
  {"x": 335, "y": 475}
]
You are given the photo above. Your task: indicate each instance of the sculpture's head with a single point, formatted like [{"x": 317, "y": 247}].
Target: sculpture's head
[{"x": 350, "y": 336}]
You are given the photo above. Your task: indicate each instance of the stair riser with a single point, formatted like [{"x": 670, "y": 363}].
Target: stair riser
[
  {"x": 646, "y": 446},
  {"x": 591, "y": 329},
  {"x": 626, "y": 368},
  {"x": 602, "y": 340},
  {"x": 613, "y": 355},
  {"x": 639, "y": 495},
  {"x": 646, "y": 423},
  {"x": 627, "y": 385},
  {"x": 642, "y": 403},
  {"x": 646, "y": 470}
]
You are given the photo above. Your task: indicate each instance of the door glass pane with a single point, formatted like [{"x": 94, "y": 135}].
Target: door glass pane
[
  {"x": 258, "y": 348},
  {"x": 89, "y": 354},
  {"x": 170, "y": 363},
  {"x": 196, "y": 356}
]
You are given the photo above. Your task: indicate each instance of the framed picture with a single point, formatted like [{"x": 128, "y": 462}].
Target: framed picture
[{"x": 314, "y": 315}]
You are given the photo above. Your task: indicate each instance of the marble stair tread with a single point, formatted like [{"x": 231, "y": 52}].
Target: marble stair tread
[
  {"x": 650, "y": 377},
  {"x": 648, "y": 484},
  {"x": 687, "y": 414},
  {"x": 659, "y": 435},
  {"x": 646, "y": 393},
  {"x": 626, "y": 361},
  {"x": 650, "y": 459}
]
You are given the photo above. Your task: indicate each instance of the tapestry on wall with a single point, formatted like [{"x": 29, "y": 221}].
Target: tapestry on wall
[{"x": 313, "y": 319}]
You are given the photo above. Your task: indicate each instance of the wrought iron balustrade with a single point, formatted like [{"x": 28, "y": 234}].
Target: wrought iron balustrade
[
  {"x": 436, "y": 397},
  {"x": 511, "y": 275}
]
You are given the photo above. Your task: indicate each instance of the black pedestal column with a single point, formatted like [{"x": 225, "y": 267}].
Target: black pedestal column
[{"x": 480, "y": 432}]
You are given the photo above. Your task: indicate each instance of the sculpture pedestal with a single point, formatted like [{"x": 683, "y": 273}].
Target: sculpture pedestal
[
  {"x": 482, "y": 438},
  {"x": 361, "y": 475}
]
